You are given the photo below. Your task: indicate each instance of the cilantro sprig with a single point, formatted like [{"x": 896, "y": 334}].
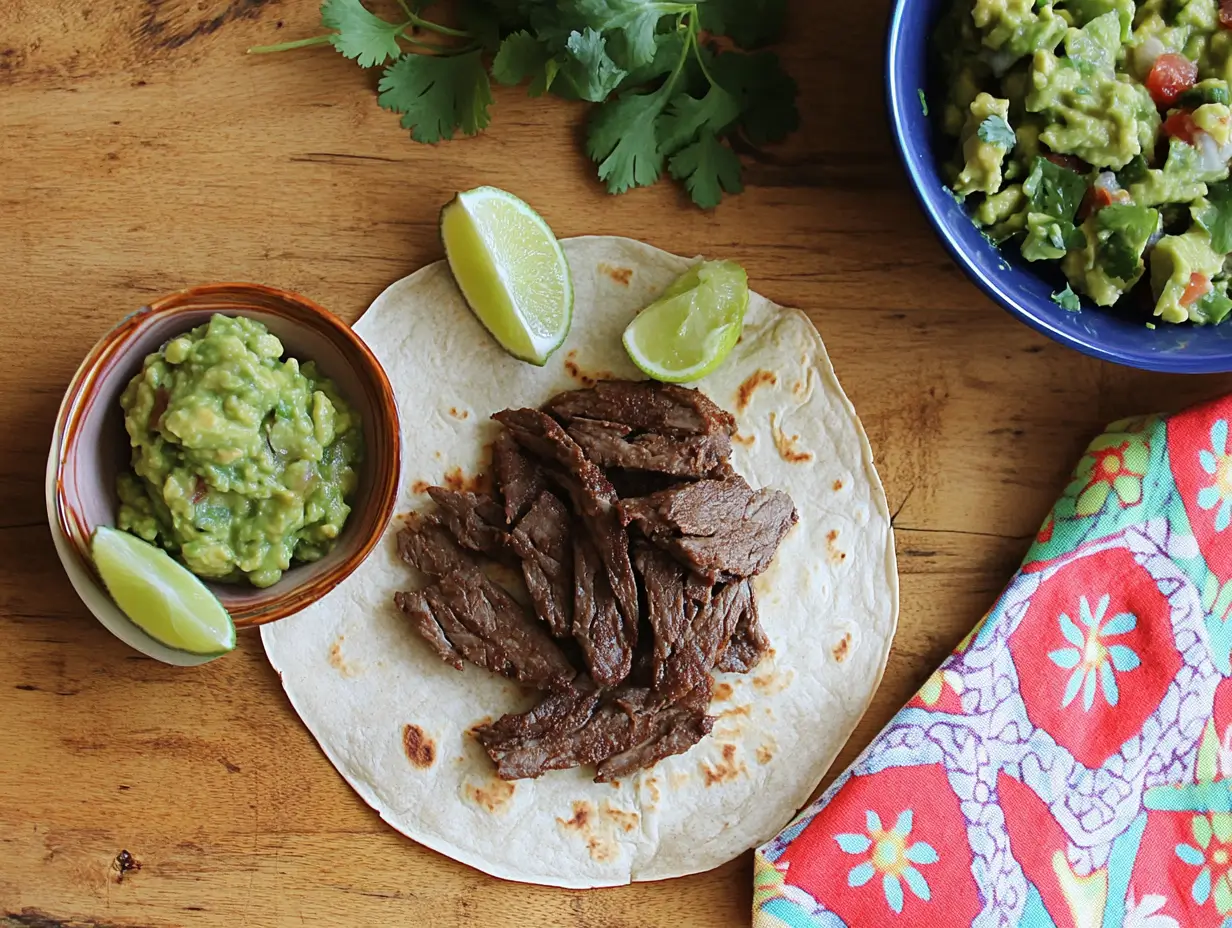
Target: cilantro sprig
[{"x": 674, "y": 84}]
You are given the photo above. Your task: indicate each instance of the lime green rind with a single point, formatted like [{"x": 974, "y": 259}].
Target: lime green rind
[
  {"x": 697, "y": 319},
  {"x": 160, "y": 596},
  {"x": 475, "y": 226}
]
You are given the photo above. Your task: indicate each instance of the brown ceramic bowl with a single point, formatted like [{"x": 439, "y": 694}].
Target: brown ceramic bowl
[{"x": 91, "y": 448}]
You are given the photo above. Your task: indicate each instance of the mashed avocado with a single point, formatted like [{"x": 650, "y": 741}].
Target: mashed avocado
[
  {"x": 241, "y": 462},
  {"x": 1097, "y": 134}
]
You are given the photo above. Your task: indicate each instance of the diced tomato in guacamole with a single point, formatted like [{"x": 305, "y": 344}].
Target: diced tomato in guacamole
[{"x": 1097, "y": 134}]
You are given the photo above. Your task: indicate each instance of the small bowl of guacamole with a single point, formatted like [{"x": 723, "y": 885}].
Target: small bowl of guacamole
[
  {"x": 246, "y": 431},
  {"x": 1073, "y": 155},
  {"x": 244, "y": 461}
]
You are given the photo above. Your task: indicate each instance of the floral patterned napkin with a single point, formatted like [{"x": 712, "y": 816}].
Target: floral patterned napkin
[{"x": 1070, "y": 764}]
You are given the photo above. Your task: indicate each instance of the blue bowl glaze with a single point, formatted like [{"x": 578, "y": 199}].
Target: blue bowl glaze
[{"x": 1005, "y": 277}]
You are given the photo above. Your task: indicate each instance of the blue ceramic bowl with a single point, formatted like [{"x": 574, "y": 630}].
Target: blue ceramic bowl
[{"x": 1012, "y": 282}]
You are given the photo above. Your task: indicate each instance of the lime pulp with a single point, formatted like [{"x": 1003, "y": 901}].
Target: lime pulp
[
  {"x": 692, "y": 327},
  {"x": 510, "y": 269},
  {"x": 160, "y": 596}
]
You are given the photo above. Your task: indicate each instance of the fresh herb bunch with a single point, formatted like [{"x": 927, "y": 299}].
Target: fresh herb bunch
[{"x": 675, "y": 83}]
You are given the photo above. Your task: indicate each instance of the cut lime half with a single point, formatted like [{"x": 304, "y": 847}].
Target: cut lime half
[
  {"x": 511, "y": 270},
  {"x": 162, "y": 597},
  {"x": 688, "y": 331}
]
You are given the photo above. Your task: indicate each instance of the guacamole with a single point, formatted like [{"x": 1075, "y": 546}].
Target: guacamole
[
  {"x": 241, "y": 462},
  {"x": 1097, "y": 134}
]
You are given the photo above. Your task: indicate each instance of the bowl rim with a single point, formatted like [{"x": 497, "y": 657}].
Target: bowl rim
[
  {"x": 73, "y": 408},
  {"x": 895, "y": 109}
]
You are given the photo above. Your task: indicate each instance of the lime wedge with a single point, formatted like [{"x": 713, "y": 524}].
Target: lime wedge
[
  {"x": 688, "y": 331},
  {"x": 511, "y": 270},
  {"x": 162, "y": 597}
]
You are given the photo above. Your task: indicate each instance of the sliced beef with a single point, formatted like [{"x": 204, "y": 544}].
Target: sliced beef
[
  {"x": 692, "y": 626},
  {"x": 464, "y": 614},
  {"x": 430, "y": 548},
  {"x": 619, "y": 731},
  {"x": 592, "y": 495},
  {"x": 645, "y": 406},
  {"x": 607, "y": 637},
  {"x": 520, "y": 479},
  {"x": 543, "y": 539},
  {"x": 544, "y": 438},
  {"x": 611, "y": 444},
  {"x": 748, "y": 643},
  {"x": 416, "y": 606},
  {"x": 658, "y": 731},
  {"x": 722, "y": 528},
  {"x": 476, "y": 521}
]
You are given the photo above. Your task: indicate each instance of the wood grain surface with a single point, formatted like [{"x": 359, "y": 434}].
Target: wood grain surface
[{"x": 142, "y": 151}]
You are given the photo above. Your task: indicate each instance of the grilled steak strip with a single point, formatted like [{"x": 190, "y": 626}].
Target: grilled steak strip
[
  {"x": 598, "y": 625},
  {"x": 611, "y": 444},
  {"x": 476, "y": 521},
  {"x": 592, "y": 496},
  {"x": 520, "y": 479},
  {"x": 645, "y": 406},
  {"x": 691, "y": 626},
  {"x": 430, "y": 548},
  {"x": 749, "y": 642},
  {"x": 474, "y": 616},
  {"x": 620, "y": 731},
  {"x": 722, "y": 528},
  {"x": 543, "y": 539},
  {"x": 657, "y": 733}
]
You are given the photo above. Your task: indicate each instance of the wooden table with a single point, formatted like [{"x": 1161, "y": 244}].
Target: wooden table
[{"x": 141, "y": 151}]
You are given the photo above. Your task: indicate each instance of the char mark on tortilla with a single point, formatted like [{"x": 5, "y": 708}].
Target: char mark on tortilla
[
  {"x": 721, "y": 528},
  {"x": 617, "y": 731},
  {"x": 477, "y": 522},
  {"x": 464, "y": 614},
  {"x": 543, "y": 539}
]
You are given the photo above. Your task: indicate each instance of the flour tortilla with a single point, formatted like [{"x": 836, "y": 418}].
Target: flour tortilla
[{"x": 394, "y": 719}]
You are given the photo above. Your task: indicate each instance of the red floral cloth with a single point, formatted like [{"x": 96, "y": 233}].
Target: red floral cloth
[{"x": 1070, "y": 764}]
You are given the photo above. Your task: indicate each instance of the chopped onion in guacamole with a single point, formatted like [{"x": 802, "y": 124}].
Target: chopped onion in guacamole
[
  {"x": 241, "y": 462},
  {"x": 1097, "y": 134}
]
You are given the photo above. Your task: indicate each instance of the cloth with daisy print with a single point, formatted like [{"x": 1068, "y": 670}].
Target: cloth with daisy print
[{"x": 1071, "y": 763}]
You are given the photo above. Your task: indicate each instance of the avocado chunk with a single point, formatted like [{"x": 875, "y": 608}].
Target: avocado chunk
[
  {"x": 1175, "y": 262},
  {"x": 987, "y": 137}
]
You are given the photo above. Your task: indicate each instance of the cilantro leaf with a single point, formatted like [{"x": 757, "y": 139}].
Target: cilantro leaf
[
  {"x": 636, "y": 20},
  {"x": 767, "y": 94},
  {"x": 622, "y": 141},
  {"x": 996, "y": 131},
  {"x": 669, "y": 48},
  {"x": 923, "y": 100},
  {"x": 1067, "y": 299},
  {"x": 685, "y": 116},
  {"x": 361, "y": 35},
  {"x": 748, "y": 23},
  {"x": 438, "y": 94},
  {"x": 1133, "y": 173},
  {"x": 520, "y": 56},
  {"x": 708, "y": 168},
  {"x": 1215, "y": 215},
  {"x": 1122, "y": 231},
  {"x": 588, "y": 68},
  {"x": 1054, "y": 190}
]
